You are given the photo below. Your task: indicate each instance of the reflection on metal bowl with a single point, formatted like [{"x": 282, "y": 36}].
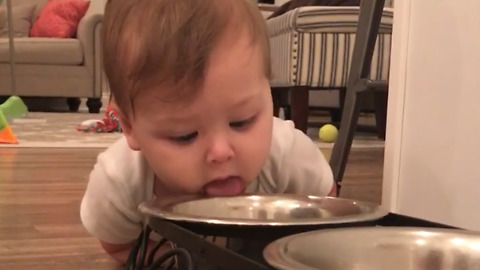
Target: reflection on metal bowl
[
  {"x": 264, "y": 210},
  {"x": 376, "y": 248}
]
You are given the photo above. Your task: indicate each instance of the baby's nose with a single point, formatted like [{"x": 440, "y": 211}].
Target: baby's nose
[{"x": 220, "y": 151}]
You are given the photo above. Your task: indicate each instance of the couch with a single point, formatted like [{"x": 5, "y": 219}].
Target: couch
[{"x": 68, "y": 68}]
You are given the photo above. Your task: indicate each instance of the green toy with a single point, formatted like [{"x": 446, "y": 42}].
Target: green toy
[{"x": 14, "y": 107}]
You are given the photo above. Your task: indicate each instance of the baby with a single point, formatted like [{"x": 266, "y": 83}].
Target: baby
[{"x": 190, "y": 84}]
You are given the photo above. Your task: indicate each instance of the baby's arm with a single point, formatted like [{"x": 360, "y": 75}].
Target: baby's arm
[
  {"x": 109, "y": 206},
  {"x": 119, "y": 252},
  {"x": 104, "y": 212},
  {"x": 300, "y": 167}
]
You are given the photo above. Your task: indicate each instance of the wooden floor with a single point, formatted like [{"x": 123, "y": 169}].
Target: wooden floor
[{"x": 40, "y": 192}]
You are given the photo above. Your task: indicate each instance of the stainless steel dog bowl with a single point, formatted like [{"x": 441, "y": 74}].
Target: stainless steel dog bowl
[
  {"x": 264, "y": 210},
  {"x": 376, "y": 248}
]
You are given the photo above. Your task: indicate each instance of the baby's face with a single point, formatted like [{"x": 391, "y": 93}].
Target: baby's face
[{"x": 218, "y": 143}]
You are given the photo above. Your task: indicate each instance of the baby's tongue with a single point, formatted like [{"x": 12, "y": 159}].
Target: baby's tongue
[{"x": 230, "y": 186}]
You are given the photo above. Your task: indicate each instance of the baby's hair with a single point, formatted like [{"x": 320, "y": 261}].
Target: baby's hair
[{"x": 147, "y": 43}]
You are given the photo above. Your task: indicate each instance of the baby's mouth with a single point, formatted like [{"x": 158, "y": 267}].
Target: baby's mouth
[{"x": 228, "y": 186}]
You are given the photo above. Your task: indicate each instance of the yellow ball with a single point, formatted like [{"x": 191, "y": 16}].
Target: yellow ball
[{"x": 328, "y": 133}]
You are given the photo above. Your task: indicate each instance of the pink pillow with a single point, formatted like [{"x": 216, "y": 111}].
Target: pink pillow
[{"x": 59, "y": 18}]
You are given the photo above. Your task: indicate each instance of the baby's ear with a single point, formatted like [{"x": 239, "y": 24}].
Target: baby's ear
[{"x": 125, "y": 124}]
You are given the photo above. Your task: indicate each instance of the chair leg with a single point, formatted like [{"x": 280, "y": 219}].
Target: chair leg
[
  {"x": 276, "y": 102},
  {"x": 280, "y": 99},
  {"x": 336, "y": 114},
  {"x": 288, "y": 112},
  {"x": 299, "y": 107},
  {"x": 381, "y": 100}
]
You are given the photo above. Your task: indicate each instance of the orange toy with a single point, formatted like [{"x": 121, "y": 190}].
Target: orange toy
[{"x": 6, "y": 133}]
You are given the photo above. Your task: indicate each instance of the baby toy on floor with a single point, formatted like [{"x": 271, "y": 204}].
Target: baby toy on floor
[
  {"x": 6, "y": 133},
  {"x": 109, "y": 123},
  {"x": 14, "y": 107}
]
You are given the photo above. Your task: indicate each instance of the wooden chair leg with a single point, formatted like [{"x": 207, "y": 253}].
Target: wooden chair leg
[
  {"x": 336, "y": 114},
  {"x": 280, "y": 100},
  {"x": 276, "y": 102},
  {"x": 299, "y": 107},
  {"x": 288, "y": 112},
  {"x": 380, "y": 101}
]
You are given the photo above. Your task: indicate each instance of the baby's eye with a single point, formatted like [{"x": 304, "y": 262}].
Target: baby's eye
[
  {"x": 243, "y": 123},
  {"x": 185, "y": 138}
]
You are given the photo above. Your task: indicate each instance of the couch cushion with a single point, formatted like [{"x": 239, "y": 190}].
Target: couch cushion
[
  {"x": 59, "y": 19},
  {"x": 22, "y": 17},
  {"x": 39, "y": 5},
  {"x": 50, "y": 51}
]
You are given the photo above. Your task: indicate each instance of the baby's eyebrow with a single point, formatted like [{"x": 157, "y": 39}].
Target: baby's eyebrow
[
  {"x": 246, "y": 100},
  {"x": 189, "y": 117},
  {"x": 175, "y": 119}
]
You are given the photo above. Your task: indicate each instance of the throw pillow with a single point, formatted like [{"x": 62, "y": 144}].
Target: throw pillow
[
  {"x": 59, "y": 18},
  {"x": 22, "y": 20}
]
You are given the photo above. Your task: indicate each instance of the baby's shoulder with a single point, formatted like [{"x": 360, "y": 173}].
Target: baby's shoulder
[
  {"x": 271, "y": 173},
  {"x": 119, "y": 153},
  {"x": 283, "y": 134},
  {"x": 120, "y": 163}
]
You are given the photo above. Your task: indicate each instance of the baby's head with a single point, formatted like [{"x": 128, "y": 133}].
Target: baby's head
[{"x": 190, "y": 80}]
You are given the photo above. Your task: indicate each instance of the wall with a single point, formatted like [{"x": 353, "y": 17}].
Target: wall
[{"x": 432, "y": 154}]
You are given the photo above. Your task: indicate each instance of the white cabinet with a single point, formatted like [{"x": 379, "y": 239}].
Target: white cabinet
[{"x": 432, "y": 155}]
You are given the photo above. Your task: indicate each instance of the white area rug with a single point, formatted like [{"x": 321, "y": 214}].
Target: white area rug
[{"x": 58, "y": 129}]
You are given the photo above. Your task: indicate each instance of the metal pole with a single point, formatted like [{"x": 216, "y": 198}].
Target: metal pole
[
  {"x": 11, "y": 47},
  {"x": 367, "y": 30}
]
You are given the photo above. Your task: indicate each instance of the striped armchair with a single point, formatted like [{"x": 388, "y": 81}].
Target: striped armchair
[{"x": 311, "y": 49}]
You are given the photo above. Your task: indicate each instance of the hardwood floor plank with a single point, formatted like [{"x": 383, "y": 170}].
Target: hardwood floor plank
[{"x": 40, "y": 193}]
